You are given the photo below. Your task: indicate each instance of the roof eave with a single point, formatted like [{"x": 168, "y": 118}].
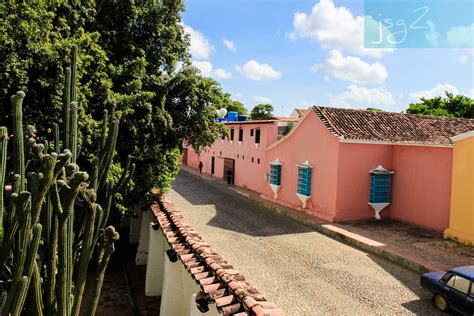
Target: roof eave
[
  {"x": 375, "y": 142},
  {"x": 462, "y": 136}
]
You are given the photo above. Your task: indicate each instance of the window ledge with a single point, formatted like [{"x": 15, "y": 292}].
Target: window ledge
[
  {"x": 303, "y": 198},
  {"x": 275, "y": 189}
]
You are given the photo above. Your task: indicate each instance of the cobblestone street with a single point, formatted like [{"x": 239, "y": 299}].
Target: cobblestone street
[{"x": 302, "y": 271}]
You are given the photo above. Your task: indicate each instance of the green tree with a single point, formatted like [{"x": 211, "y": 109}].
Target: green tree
[
  {"x": 129, "y": 51},
  {"x": 449, "y": 105},
  {"x": 262, "y": 112},
  {"x": 35, "y": 40},
  {"x": 288, "y": 128},
  {"x": 237, "y": 106}
]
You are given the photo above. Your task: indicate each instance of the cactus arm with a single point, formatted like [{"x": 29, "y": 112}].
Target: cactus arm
[
  {"x": 51, "y": 270},
  {"x": 18, "y": 145},
  {"x": 31, "y": 266},
  {"x": 106, "y": 247},
  {"x": 79, "y": 150},
  {"x": 127, "y": 180},
  {"x": 43, "y": 182},
  {"x": 107, "y": 158},
  {"x": 63, "y": 286},
  {"x": 123, "y": 176},
  {"x": 66, "y": 107},
  {"x": 65, "y": 262},
  {"x": 22, "y": 202},
  {"x": 84, "y": 257},
  {"x": 103, "y": 136},
  {"x": 3, "y": 167},
  {"x": 95, "y": 173},
  {"x": 56, "y": 137},
  {"x": 73, "y": 73},
  {"x": 36, "y": 300},
  {"x": 109, "y": 194},
  {"x": 20, "y": 296},
  {"x": 73, "y": 132}
]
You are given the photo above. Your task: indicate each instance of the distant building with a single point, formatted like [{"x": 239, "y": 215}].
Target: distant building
[
  {"x": 298, "y": 113},
  {"x": 337, "y": 161}
]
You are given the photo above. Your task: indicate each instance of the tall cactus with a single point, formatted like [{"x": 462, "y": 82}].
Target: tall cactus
[
  {"x": 18, "y": 145},
  {"x": 66, "y": 106},
  {"x": 107, "y": 238},
  {"x": 3, "y": 163},
  {"x": 48, "y": 189}
]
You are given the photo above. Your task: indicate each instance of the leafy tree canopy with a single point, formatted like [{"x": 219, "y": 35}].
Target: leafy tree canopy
[
  {"x": 128, "y": 53},
  {"x": 262, "y": 112},
  {"x": 237, "y": 106},
  {"x": 449, "y": 105}
]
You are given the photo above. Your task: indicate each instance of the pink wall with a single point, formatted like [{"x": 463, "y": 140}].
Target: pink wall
[
  {"x": 340, "y": 189},
  {"x": 353, "y": 179},
  {"x": 309, "y": 141},
  {"x": 420, "y": 186},
  {"x": 249, "y": 158},
  {"x": 421, "y": 192}
]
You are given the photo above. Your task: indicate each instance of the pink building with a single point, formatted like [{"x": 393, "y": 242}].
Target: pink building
[{"x": 323, "y": 165}]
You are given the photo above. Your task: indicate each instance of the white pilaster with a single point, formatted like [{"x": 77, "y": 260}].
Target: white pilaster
[
  {"x": 155, "y": 263},
  {"x": 135, "y": 224},
  {"x": 172, "y": 299},
  {"x": 142, "y": 252},
  {"x": 190, "y": 287}
]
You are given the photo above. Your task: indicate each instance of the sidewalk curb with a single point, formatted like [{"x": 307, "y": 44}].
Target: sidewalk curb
[{"x": 325, "y": 229}]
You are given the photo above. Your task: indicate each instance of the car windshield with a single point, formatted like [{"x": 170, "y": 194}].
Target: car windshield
[{"x": 446, "y": 277}]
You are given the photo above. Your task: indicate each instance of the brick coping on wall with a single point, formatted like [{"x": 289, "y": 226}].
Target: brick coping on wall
[{"x": 220, "y": 283}]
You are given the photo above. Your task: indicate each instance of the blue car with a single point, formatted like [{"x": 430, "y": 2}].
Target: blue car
[{"x": 451, "y": 289}]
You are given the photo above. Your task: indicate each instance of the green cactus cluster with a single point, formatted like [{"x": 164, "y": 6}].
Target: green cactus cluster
[{"x": 53, "y": 216}]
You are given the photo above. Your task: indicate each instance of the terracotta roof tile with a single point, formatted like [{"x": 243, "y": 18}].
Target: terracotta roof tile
[
  {"x": 391, "y": 127},
  {"x": 218, "y": 279}
]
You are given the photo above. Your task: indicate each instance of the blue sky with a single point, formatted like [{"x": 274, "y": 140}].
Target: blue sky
[{"x": 294, "y": 53}]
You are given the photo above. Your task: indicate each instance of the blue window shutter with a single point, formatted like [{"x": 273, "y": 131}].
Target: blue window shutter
[
  {"x": 380, "y": 187},
  {"x": 304, "y": 179},
  {"x": 275, "y": 174}
]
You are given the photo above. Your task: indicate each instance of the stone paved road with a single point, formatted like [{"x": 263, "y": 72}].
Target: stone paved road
[{"x": 302, "y": 271}]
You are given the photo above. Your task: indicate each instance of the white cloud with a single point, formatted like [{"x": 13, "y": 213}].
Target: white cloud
[
  {"x": 432, "y": 36},
  {"x": 334, "y": 28},
  {"x": 471, "y": 94},
  {"x": 200, "y": 47},
  {"x": 256, "y": 71},
  {"x": 262, "y": 99},
  {"x": 229, "y": 44},
  {"x": 352, "y": 68},
  {"x": 326, "y": 78},
  {"x": 361, "y": 97},
  {"x": 437, "y": 91},
  {"x": 222, "y": 73},
  {"x": 204, "y": 66},
  {"x": 462, "y": 36},
  {"x": 237, "y": 95}
]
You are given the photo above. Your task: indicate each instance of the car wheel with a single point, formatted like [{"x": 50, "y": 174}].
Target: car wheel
[{"x": 440, "y": 302}]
